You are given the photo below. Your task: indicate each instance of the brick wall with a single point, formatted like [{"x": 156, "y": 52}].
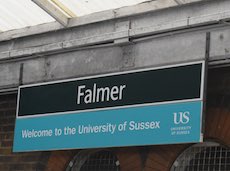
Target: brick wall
[{"x": 34, "y": 161}]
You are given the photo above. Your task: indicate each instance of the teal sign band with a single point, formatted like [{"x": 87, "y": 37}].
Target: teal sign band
[{"x": 170, "y": 123}]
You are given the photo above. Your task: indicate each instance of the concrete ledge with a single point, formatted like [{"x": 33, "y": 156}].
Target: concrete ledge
[
  {"x": 111, "y": 37},
  {"x": 36, "y": 50}
]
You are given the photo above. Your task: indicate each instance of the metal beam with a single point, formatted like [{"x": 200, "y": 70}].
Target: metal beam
[
  {"x": 179, "y": 2},
  {"x": 53, "y": 11},
  {"x": 63, "y": 8}
]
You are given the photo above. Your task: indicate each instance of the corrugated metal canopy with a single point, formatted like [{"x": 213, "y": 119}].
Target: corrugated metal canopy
[{"x": 15, "y": 14}]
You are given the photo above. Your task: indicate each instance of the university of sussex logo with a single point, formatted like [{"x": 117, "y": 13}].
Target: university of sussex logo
[{"x": 181, "y": 117}]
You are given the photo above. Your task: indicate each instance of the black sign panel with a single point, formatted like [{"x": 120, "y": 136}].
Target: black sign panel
[{"x": 170, "y": 83}]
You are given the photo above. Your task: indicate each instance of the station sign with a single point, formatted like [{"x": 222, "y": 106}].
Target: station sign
[{"x": 161, "y": 105}]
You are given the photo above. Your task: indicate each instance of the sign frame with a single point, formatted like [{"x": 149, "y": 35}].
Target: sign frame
[{"x": 201, "y": 98}]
